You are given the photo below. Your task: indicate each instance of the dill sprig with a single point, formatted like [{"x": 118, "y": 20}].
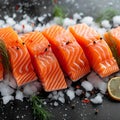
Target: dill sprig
[
  {"x": 58, "y": 11},
  {"x": 39, "y": 109},
  {"x": 106, "y": 14},
  {"x": 113, "y": 46},
  {"x": 4, "y": 56}
]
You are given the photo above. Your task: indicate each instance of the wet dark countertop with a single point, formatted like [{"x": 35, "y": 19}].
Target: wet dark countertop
[
  {"x": 17, "y": 110},
  {"x": 108, "y": 110}
]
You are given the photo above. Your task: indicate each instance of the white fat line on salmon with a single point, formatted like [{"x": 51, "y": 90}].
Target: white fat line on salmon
[
  {"x": 82, "y": 30},
  {"x": 79, "y": 55},
  {"x": 106, "y": 49},
  {"x": 43, "y": 61},
  {"x": 76, "y": 57},
  {"x": 107, "y": 63},
  {"x": 56, "y": 76},
  {"x": 86, "y": 32},
  {"x": 70, "y": 52},
  {"x": 102, "y": 51},
  {"x": 98, "y": 58},
  {"x": 102, "y": 66},
  {"x": 6, "y": 34},
  {"x": 19, "y": 55},
  {"x": 27, "y": 60},
  {"x": 52, "y": 74},
  {"x": 25, "y": 63}
]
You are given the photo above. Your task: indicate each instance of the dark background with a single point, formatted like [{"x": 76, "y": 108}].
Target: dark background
[{"x": 17, "y": 110}]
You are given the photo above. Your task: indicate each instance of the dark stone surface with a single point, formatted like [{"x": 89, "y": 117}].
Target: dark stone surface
[
  {"x": 109, "y": 110},
  {"x": 16, "y": 110}
]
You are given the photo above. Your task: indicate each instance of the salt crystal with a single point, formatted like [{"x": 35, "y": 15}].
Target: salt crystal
[
  {"x": 58, "y": 20},
  {"x": 87, "y": 94},
  {"x": 55, "y": 97},
  {"x": 19, "y": 95},
  {"x": 70, "y": 94},
  {"x": 17, "y": 116},
  {"x": 97, "y": 82},
  {"x": 116, "y": 20},
  {"x": 97, "y": 100},
  {"x": 102, "y": 86},
  {"x": 78, "y": 92},
  {"x": 14, "y": 15},
  {"x": 27, "y": 90},
  {"x": 41, "y": 18},
  {"x": 66, "y": 109},
  {"x": 38, "y": 28},
  {"x": 54, "y": 92},
  {"x": 50, "y": 96},
  {"x": 87, "y": 85},
  {"x": 37, "y": 84},
  {"x": 88, "y": 20},
  {"x": 7, "y": 98},
  {"x": 56, "y": 103},
  {"x": 67, "y": 22},
  {"x": 23, "y": 22},
  {"x": 61, "y": 99},
  {"x": 45, "y": 103},
  {"x": 76, "y": 16},
  {"x": 2, "y": 22},
  {"x": 27, "y": 28},
  {"x": 101, "y": 31},
  {"x": 106, "y": 24},
  {"x": 6, "y": 17},
  {"x": 60, "y": 93},
  {"x": 10, "y": 81},
  {"x": 10, "y": 21},
  {"x": 5, "y": 89},
  {"x": 18, "y": 28}
]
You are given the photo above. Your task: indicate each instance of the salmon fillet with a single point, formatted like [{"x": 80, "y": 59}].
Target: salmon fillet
[
  {"x": 44, "y": 61},
  {"x": 112, "y": 37},
  {"x": 96, "y": 49},
  {"x": 68, "y": 52},
  {"x": 20, "y": 60}
]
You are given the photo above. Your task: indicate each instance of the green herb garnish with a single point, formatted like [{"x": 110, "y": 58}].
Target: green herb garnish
[
  {"x": 106, "y": 14},
  {"x": 113, "y": 46},
  {"x": 4, "y": 56},
  {"x": 39, "y": 109},
  {"x": 58, "y": 11}
]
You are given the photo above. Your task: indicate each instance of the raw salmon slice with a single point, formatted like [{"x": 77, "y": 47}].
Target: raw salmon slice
[
  {"x": 112, "y": 37},
  {"x": 20, "y": 60},
  {"x": 96, "y": 49},
  {"x": 85, "y": 33},
  {"x": 68, "y": 52},
  {"x": 45, "y": 62}
]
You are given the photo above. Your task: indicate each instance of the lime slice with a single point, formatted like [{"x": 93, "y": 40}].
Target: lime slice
[{"x": 114, "y": 88}]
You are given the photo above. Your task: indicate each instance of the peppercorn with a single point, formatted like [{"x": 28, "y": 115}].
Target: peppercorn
[
  {"x": 96, "y": 111},
  {"x": 46, "y": 49},
  {"x": 17, "y": 48},
  {"x": 67, "y": 42},
  {"x": 72, "y": 106},
  {"x": 49, "y": 45},
  {"x": 94, "y": 42},
  {"x": 23, "y": 43}
]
